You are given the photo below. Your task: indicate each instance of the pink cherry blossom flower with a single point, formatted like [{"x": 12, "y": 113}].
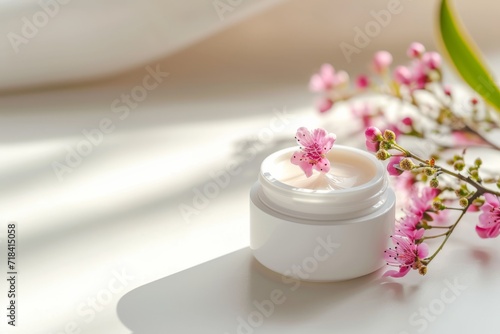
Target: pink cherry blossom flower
[
  {"x": 327, "y": 79},
  {"x": 405, "y": 185},
  {"x": 415, "y": 50},
  {"x": 405, "y": 255},
  {"x": 421, "y": 204},
  {"x": 489, "y": 219},
  {"x": 417, "y": 75},
  {"x": 423, "y": 201},
  {"x": 373, "y": 137},
  {"x": 381, "y": 61},
  {"x": 313, "y": 149},
  {"x": 408, "y": 226}
]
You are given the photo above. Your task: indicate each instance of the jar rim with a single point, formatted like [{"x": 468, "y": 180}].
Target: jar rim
[
  {"x": 357, "y": 200},
  {"x": 275, "y": 182}
]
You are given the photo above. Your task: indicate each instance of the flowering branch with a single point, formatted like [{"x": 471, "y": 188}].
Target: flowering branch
[
  {"x": 431, "y": 113},
  {"x": 413, "y": 226}
]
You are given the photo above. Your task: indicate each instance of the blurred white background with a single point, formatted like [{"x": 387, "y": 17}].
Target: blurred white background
[{"x": 119, "y": 208}]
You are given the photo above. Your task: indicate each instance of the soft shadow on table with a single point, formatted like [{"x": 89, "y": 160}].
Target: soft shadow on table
[{"x": 220, "y": 295}]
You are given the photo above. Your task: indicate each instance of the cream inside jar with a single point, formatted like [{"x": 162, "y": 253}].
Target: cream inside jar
[{"x": 347, "y": 170}]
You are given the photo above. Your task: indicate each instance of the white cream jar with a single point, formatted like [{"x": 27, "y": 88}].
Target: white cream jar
[{"x": 327, "y": 227}]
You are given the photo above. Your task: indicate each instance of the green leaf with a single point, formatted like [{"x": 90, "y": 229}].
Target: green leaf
[{"x": 463, "y": 55}]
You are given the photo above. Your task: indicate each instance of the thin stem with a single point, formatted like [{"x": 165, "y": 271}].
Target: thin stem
[
  {"x": 435, "y": 236},
  {"x": 447, "y": 234},
  {"x": 443, "y": 227},
  {"x": 450, "y": 208}
]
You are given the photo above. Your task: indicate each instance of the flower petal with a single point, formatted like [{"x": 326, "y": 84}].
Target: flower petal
[
  {"x": 318, "y": 134},
  {"x": 322, "y": 165},
  {"x": 482, "y": 232},
  {"x": 393, "y": 273},
  {"x": 488, "y": 232},
  {"x": 307, "y": 168},
  {"x": 324, "y": 104},
  {"x": 325, "y": 140},
  {"x": 372, "y": 146},
  {"x": 298, "y": 157},
  {"x": 422, "y": 250},
  {"x": 492, "y": 200},
  {"x": 391, "y": 166},
  {"x": 304, "y": 137}
]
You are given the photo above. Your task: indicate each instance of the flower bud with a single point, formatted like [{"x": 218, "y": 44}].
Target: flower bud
[
  {"x": 432, "y": 60},
  {"x": 381, "y": 61},
  {"x": 438, "y": 205},
  {"x": 478, "y": 162},
  {"x": 434, "y": 183},
  {"x": 383, "y": 154},
  {"x": 463, "y": 202},
  {"x": 385, "y": 145},
  {"x": 362, "y": 82},
  {"x": 415, "y": 50},
  {"x": 422, "y": 270},
  {"x": 373, "y": 134},
  {"x": 406, "y": 164},
  {"x": 407, "y": 121},
  {"x": 389, "y": 135},
  {"x": 429, "y": 171},
  {"x": 463, "y": 191},
  {"x": 478, "y": 202},
  {"x": 402, "y": 75},
  {"x": 459, "y": 165}
]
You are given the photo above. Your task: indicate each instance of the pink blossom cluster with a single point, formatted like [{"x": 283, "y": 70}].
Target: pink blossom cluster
[
  {"x": 425, "y": 67},
  {"x": 409, "y": 250},
  {"x": 421, "y": 70},
  {"x": 411, "y": 100}
]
